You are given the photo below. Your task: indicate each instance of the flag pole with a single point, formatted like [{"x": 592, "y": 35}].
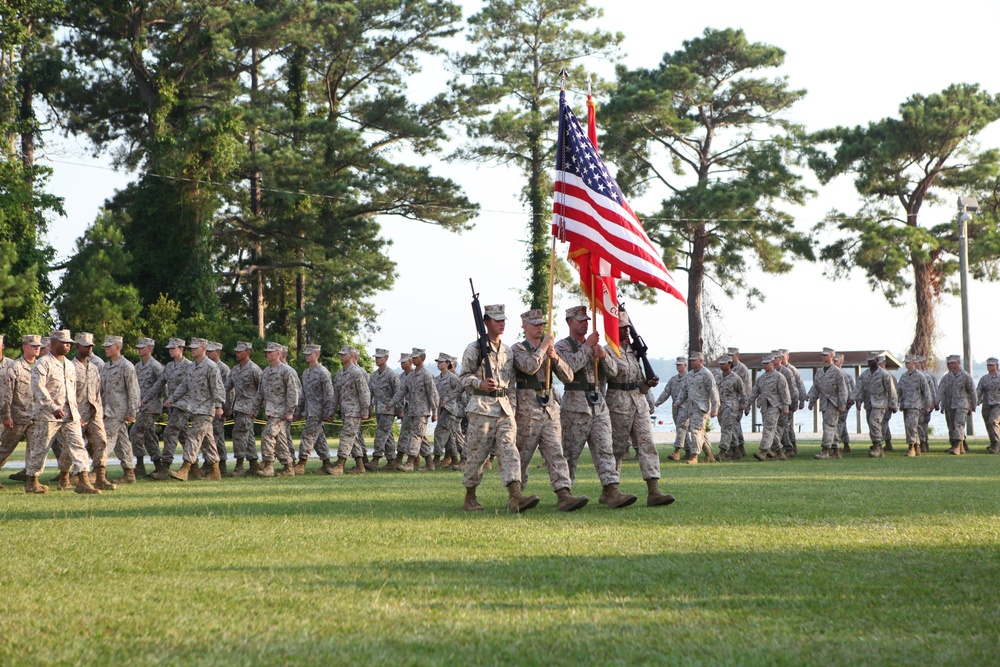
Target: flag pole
[
  {"x": 593, "y": 319},
  {"x": 563, "y": 76}
]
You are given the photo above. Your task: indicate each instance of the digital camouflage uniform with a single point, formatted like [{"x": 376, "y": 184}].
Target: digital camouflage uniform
[
  {"x": 829, "y": 392},
  {"x": 120, "y": 394},
  {"x": 740, "y": 369},
  {"x": 843, "y": 435},
  {"x": 538, "y": 420},
  {"x": 701, "y": 398},
  {"x": 279, "y": 394},
  {"x": 926, "y": 420},
  {"x": 16, "y": 404},
  {"x": 988, "y": 395},
  {"x": 958, "y": 397},
  {"x": 53, "y": 386},
  {"x": 200, "y": 393},
  {"x": 176, "y": 429},
  {"x": 315, "y": 404},
  {"x": 915, "y": 400},
  {"x": 771, "y": 389},
  {"x": 733, "y": 395},
  {"x": 219, "y": 423},
  {"x": 629, "y": 412},
  {"x": 383, "y": 384},
  {"x": 244, "y": 383},
  {"x": 492, "y": 424},
  {"x": 418, "y": 393},
  {"x": 786, "y": 423},
  {"x": 451, "y": 396},
  {"x": 799, "y": 398},
  {"x": 352, "y": 396},
  {"x": 674, "y": 391},
  {"x": 143, "y": 432},
  {"x": 586, "y": 421},
  {"x": 91, "y": 407},
  {"x": 877, "y": 392}
]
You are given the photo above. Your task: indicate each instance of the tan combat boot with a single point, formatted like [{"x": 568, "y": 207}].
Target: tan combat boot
[
  {"x": 300, "y": 467},
  {"x": 568, "y": 502},
  {"x": 266, "y": 469},
  {"x": 101, "y": 480},
  {"x": 760, "y": 455},
  {"x": 287, "y": 470},
  {"x": 359, "y": 466},
  {"x": 471, "y": 503},
  {"x": 84, "y": 486},
  {"x": 238, "y": 470},
  {"x": 676, "y": 456},
  {"x": 709, "y": 457},
  {"x": 956, "y": 447},
  {"x": 183, "y": 474},
  {"x": 615, "y": 499},
  {"x": 372, "y": 465},
  {"x": 62, "y": 481},
  {"x": 338, "y": 467},
  {"x": 847, "y": 448},
  {"x": 195, "y": 472},
  {"x": 128, "y": 476},
  {"x": 446, "y": 462},
  {"x": 691, "y": 458},
  {"x": 654, "y": 497},
  {"x": 412, "y": 463},
  {"x": 390, "y": 464},
  {"x": 835, "y": 454},
  {"x": 253, "y": 469},
  {"x": 875, "y": 452},
  {"x": 517, "y": 502},
  {"x": 823, "y": 455},
  {"x": 163, "y": 473},
  {"x": 223, "y": 468},
  {"x": 781, "y": 455},
  {"x": 31, "y": 485},
  {"x": 140, "y": 469},
  {"x": 326, "y": 467},
  {"x": 910, "y": 452},
  {"x": 211, "y": 471},
  {"x": 429, "y": 464}
]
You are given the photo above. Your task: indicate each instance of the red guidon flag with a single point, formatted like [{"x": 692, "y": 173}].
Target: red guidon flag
[{"x": 592, "y": 215}]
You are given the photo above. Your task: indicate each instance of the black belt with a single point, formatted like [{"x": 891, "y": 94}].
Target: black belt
[
  {"x": 623, "y": 386},
  {"x": 499, "y": 393},
  {"x": 530, "y": 384},
  {"x": 578, "y": 386}
]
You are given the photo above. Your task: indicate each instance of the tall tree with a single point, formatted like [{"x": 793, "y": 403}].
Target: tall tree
[
  {"x": 513, "y": 78},
  {"x": 899, "y": 164},
  {"x": 709, "y": 125}
]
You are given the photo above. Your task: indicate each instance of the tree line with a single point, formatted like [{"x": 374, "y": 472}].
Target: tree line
[{"x": 270, "y": 136}]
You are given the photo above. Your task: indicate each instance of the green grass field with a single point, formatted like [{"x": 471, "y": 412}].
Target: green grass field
[{"x": 860, "y": 561}]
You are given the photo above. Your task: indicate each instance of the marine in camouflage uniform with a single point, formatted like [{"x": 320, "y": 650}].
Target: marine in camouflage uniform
[
  {"x": 988, "y": 393},
  {"x": 244, "y": 382},
  {"x": 744, "y": 374},
  {"x": 219, "y": 425},
  {"x": 418, "y": 392},
  {"x": 537, "y": 412},
  {"x": 451, "y": 396},
  {"x": 176, "y": 429},
  {"x": 800, "y": 392},
  {"x": 584, "y": 413},
  {"x": 120, "y": 394},
  {"x": 16, "y": 400},
  {"x": 143, "y": 432},
  {"x": 405, "y": 423},
  {"x": 915, "y": 400},
  {"x": 316, "y": 405},
  {"x": 675, "y": 392},
  {"x": 925, "y": 422},
  {"x": 202, "y": 395},
  {"x": 701, "y": 397},
  {"x": 958, "y": 399},
  {"x": 353, "y": 398},
  {"x": 91, "y": 406},
  {"x": 886, "y": 432},
  {"x": 877, "y": 392},
  {"x": 773, "y": 396},
  {"x": 53, "y": 386},
  {"x": 625, "y": 394},
  {"x": 383, "y": 383},
  {"x": 279, "y": 394},
  {"x": 829, "y": 392},
  {"x": 786, "y": 422},
  {"x": 733, "y": 395},
  {"x": 491, "y": 415},
  {"x": 842, "y": 433}
]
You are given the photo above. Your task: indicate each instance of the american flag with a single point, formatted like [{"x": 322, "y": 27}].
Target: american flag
[{"x": 591, "y": 211}]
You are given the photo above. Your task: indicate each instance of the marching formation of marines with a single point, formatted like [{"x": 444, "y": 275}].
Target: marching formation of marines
[{"x": 498, "y": 402}]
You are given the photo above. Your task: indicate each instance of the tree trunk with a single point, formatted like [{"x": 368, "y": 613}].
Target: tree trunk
[
  {"x": 300, "y": 303},
  {"x": 925, "y": 289},
  {"x": 696, "y": 281},
  {"x": 538, "y": 253}
]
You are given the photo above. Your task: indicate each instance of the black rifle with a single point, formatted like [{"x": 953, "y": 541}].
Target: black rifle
[
  {"x": 484, "y": 338},
  {"x": 640, "y": 349}
]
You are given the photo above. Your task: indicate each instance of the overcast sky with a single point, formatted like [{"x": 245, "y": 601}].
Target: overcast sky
[{"x": 857, "y": 60}]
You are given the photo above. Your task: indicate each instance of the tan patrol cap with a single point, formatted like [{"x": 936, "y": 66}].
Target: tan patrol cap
[
  {"x": 273, "y": 347},
  {"x": 198, "y": 342},
  {"x": 417, "y": 351},
  {"x": 577, "y": 313},
  {"x": 213, "y": 346},
  {"x": 533, "y": 316},
  {"x": 31, "y": 339},
  {"x": 724, "y": 359},
  {"x": 913, "y": 358},
  {"x": 954, "y": 358},
  {"x": 381, "y": 352},
  {"x": 404, "y": 356},
  {"x": 46, "y": 341},
  {"x": 695, "y": 355},
  {"x": 623, "y": 320},
  {"x": 828, "y": 350},
  {"x": 112, "y": 340},
  {"x": 243, "y": 346},
  {"x": 732, "y": 350},
  {"x": 61, "y": 335},
  {"x": 145, "y": 342},
  {"x": 348, "y": 349},
  {"x": 682, "y": 361},
  {"x": 992, "y": 361},
  {"x": 176, "y": 342},
  {"x": 312, "y": 348},
  {"x": 442, "y": 357},
  {"x": 494, "y": 311},
  {"x": 84, "y": 338}
]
